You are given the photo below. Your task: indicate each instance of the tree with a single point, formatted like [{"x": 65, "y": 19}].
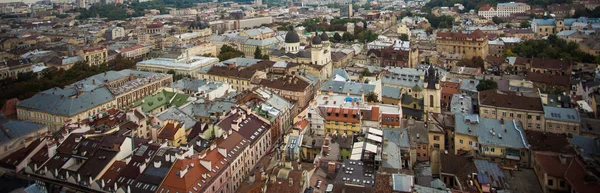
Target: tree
[
  {"x": 508, "y": 25},
  {"x": 366, "y": 72},
  {"x": 524, "y": 24},
  {"x": 497, "y": 20},
  {"x": 348, "y": 37},
  {"x": 337, "y": 37},
  {"x": 227, "y": 52},
  {"x": 404, "y": 37},
  {"x": 372, "y": 97},
  {"x": 257, "y": 53},
  {"x": 486, "y": 85}
]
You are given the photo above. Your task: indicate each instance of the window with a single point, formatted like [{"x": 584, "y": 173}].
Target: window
[
  {"x": 493, "y": 112},
  {"x": 537, "y": 117},
  {"x": 430, "y": 100},
  {"x": 550, "y": 125},
  {"x": 528, "y": 116},
  {"x": 485, "y": 111},
  {"x": 550, "y": 182},
  {"x": 558, "y": 126},
  {"x": 562, "y": 184},
  {"x": 436, "y": 145},
  {"x": 493, "y": 150},
  {"x": 503, "y": 114},
  {"x": 528, "y": 125},
  {"x": 461, "y": 141},
  {"x": 512, "y": 115},
  {"x": 470, "y": 143},
  {"x": 537, "y": 126},
  {"x": 519, "y": 116},
  {"x": 437, "y": 138}
]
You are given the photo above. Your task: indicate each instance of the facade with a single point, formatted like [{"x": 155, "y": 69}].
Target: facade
[
  {"x": 188, "y": 66},
  {"x": 470, "y": 45},
  {"x": 503, "y": 9},
  {"x": 90, "y": 97},
  {"x": 510, "y": 105},
  {"x": 135, "y": 52},
  {"x": 114, "y": 33},
  {"x": 561, "y": 120},
  {"x": 545, "y": 27},
  {"x": 94, "y": 56},
  {"x": 172, "y": 132}
]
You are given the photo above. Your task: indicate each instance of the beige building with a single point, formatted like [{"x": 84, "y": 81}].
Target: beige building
[
  {"x": 510, "y": 105},
  {"x": 188, "y": 66},
  {"x": 94, "y": 56},
  {"x": 561, "y": 120},
  {"x": 469, "y": 45}
]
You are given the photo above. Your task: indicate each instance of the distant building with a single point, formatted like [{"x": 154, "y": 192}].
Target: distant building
[
  {"x": 185, "y": 66},
  {"x": 114, "y": 33},
  {"x": 469, "y": 45},
  {"x": 503, "y": 9},
  {"x": 346, "y": 10}
]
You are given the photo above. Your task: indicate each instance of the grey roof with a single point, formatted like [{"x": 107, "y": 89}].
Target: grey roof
[
  {"x": 242, "y": 62},
  {"x": 492, "y": 131},
  {"x": 402, "y": 182},
  {"x": 263, "y": 42},
  {"x": 561, "y": 114},
  {"x": 342, "y": 72},
  {"x": 11, "y": 129},
  {"x": 391, "y": 92},
  {"x": 71, "y": 60},
  {"x": 492, "y": 171},
  {"x": 397, "y": 136},
  {"x": 590, "y": 147},
  {"x": 469, "y": 85},
  {"x": 461, "y": 104},
  {"x": 196, "y": 85},
  {"x": 300, "y": 54},
  {"x": 206, "y": 109},
  {"x": 404, "y": 80},
  {"x": 65, "y": 102},
  {"x": 342, "y": 87},
  {"x": 176, "y": 114},
  {"x": 258, "y": 31},
  {"x": 292, "y": 37}
]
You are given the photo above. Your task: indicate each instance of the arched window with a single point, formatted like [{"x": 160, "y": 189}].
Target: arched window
[{"x": 430, "y": 100}]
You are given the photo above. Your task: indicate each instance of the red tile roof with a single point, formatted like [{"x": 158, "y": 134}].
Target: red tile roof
[
  {"x": 576, "y": 176},
  {"x": 552, "y": 164},
  {"x": 474, "y": 36}
]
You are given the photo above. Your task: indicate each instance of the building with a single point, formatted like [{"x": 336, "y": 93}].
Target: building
[
  {"x": 346, "y": 11},
  {"x": 239, "y": 72},
  {"x": 94, "y": 56},
  {"x": 114, "y": 33},
  {"x": 188, "y": 66},
  {"x": 18, "y": 134},
  {"x": 503, "y": 9},
  {"x": 510, "y": 105},
  {"x": 292, "y": 88},
  {"x": 173, "y": 133},
  {"x": 501, "y": 141},
  {"x": 470, "y": 45},
  {"x": 135, "y": 51},
  {"x": 253, "y": 22},
  {"x": 561, "y": 120},
  {"x": 90, "y": 97},
  {"x": 545, "y": 27}
]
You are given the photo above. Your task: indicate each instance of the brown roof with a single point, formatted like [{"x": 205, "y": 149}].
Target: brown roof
[
  {"x": 283, "y": 185},
  {"x": 10, "y": 107},
  {"x": 502, "y": 99},
  {"x": 550, "y": 79},
  {"x": 485, "y": 7},
  {"x": 558, "y": 143},
  {"x": 382, "y": 184},
  {"x": 495, "y": 60},
  {"x": 233, "y": 140},
  {"x": 289, "y": 83},
  {"x": 553, "y": 64},
  {"x": 457, "y": 165},
  {"x": 15, "y": 158},
  {"x": 473, "y": 36},
  {"x": 168, "y": 131},
  {"x": 342, "y": 115},
  {"x": 110, "y": 176},
  {"x": 576, "y": 176},
  {"x": 552, "y": 164},
  {"x": 522, "y": 61}
]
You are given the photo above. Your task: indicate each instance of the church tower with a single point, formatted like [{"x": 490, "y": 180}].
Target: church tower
[
  {"x": 432, "y": 91},
  {"x": 292, "y": 41}
]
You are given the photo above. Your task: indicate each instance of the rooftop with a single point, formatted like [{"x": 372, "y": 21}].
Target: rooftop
[{"x": 184, "y": 63}]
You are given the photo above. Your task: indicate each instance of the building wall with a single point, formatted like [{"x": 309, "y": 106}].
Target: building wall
[
  {"x": 560, "y": 127},
  {"x": 468, "y": 143},
  {"x": 124, "y": 99},
  {"x": 55, "y": 122},
  {"x": 529, "y": 120},
  {"x": 468, "y": 48},
  {"x": 437, "y": 141}
]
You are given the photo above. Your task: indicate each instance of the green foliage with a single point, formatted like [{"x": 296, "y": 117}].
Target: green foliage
[
  {"x": 29, "y": 84},
  {"x": 368, "y": 36},
  {"x": 337, "y": 37},
  {"x": 554, "y": 48},
  {"x": 524, "y": 24},
  {"x": 595, "y": 13},
  {"x": 440, "y": 22},
  {"x": 497, "y": 20},
  {"x": 372, "y": 97},
  {"x": 366, "y": 72},
  {"x": 487, "y": 85},
  {"x": 475, "y": 62},
  {"x": 257, "y": 53},
  {"x": 348, "y": 37},
  {"x": 228, "y": 52},
  {"x": 120, "y": 11},
  {"x": 404, "y": 37},
  {"x": 120, "y": 63}
]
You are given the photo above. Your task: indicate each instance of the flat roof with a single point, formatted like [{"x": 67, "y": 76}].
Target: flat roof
[{"x": 186, "y": 63}]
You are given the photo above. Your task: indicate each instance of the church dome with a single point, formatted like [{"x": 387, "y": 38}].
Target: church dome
[
  {"x": 316, "y": 40},
  {"x": 324, "y": 37},
  {"x": 292, "y": 37}
]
